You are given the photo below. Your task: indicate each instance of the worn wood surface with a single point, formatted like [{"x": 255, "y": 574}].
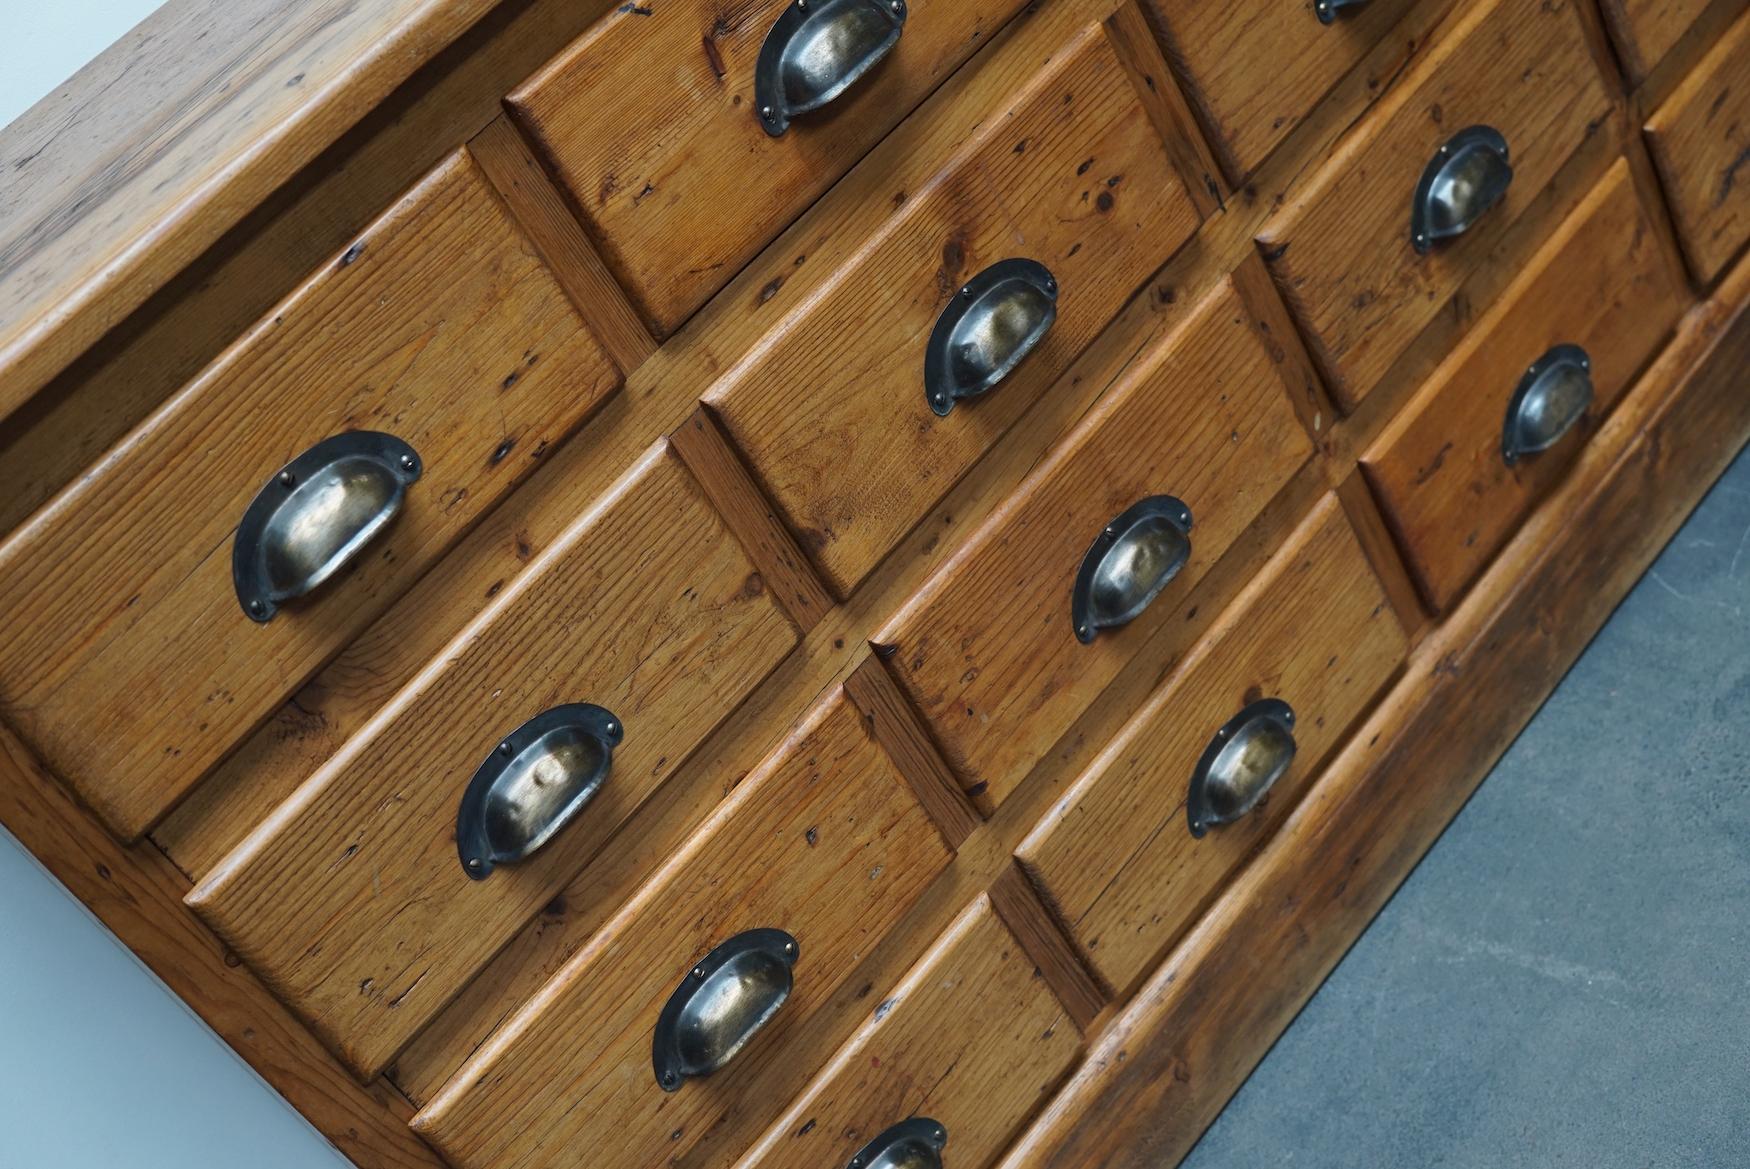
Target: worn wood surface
[
  {"x": 151, "y": 353},
  {"x": 824, "y": 841},
  {"x": 896, "y": 726},
  {"x": 972, "y": 1039},
  {"x": 649, "y": 122},
  {"x": 1256, "y": 68},
  {"x": 1643, "y": 31},
  {"x": 1602, "y": 282},
  {"x": 350, "y": 901},
  {"x": 1017, "y": 902},
  {"x": 1700, "y": 139},
  {"x": 987, "y": 650},
  {"x": 832, "y": 413},
  {"x": 1340, "y": 249},
  {"x": 439, "y": 325},
  {"x": 147, "y": 155},
  {"x": 1165, "y": 1067},
  {"x": 1114, "y": 858},
  {"x": 137, "y": 895}
]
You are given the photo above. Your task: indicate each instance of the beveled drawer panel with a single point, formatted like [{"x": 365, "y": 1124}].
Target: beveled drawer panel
[
  {"x": 1700, "y": 139},
  {"x": 1341, "y": 249},
  {"x": 130, "y": 663},
  {"x": 987, "y": 650},
  {"x": 651, "y": 123},
  {"x": 824, "y": 841},
  {"x": 1603, "y": 283},
  {"x": 352, "y": 901},
  {"x": 972, "y": 1039},
  {"x": 1256, "y": 68},
  {"x": 1645, "y": 30},
  {"x": 1115, "y": 858},
  {"x": 832, "y": 413}
]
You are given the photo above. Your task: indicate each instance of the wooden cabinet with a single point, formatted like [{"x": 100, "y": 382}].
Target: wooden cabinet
[{"x": 785, "y": 578}]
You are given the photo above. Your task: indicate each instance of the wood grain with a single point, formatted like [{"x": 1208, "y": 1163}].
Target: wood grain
[
  {"x": 986, "y": 650},
  {"x": 896, "y": 726},
  {"x": 1114, "y": 858},
  {"x": 1602, "y": 282},
  {"x": 121, "y": 176},
  {"x": 1256, "y": 68},
  {"x": 824, "y": 841},
  {"x": 702, "y": 446},
  {"x": 350, "y": 900},
  {"x": 1165, "y": 1067},
  {"x": 649, "y": 124},
  {"x": 1643, "y": 31},
  {"x": 832, "y": 414},
  {"x": 1340, "y": 249},
  {"x": 972, "y": 1039},
  {"x": 139, "y": 669},
  {"x": 507, "y": 162},
  {"x": 147, "y": 355},
  {"x": 137, "y": 895},
  {"x": 1700, "y": 140},
  {"x": 1017, "y": 902}
]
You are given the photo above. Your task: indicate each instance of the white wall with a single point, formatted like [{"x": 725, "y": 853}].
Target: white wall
[{"x": 100, "y": 1066}]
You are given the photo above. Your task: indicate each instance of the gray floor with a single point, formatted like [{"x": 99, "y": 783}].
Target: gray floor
[{"x": 1565, "y": 979}]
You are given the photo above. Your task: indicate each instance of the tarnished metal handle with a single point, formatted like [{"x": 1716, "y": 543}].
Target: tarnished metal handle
[
  {"x": 817, "y": 50},
  {"x": 1328, "y": 10},
  {"x": 315, "y": 515},
  {"x": 1132, "y": 559},
  {"x": 911, "y": 1144},
  {"x": 1551, "y": 398},
  {"x": 987, "y": 330},
  {"x": 1468, "y": 175},
  {"x": 1242, "y": 763},
  {"x": 721, "y": 1005},
  {"x": 533, "y": 784}
]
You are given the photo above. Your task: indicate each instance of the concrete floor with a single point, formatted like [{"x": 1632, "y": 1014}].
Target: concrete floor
[{"x": 1565, "y": 979}]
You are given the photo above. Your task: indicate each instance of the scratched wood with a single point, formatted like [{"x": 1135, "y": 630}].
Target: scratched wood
[
  {"x": 1602, "y": 282},
  {"x": 139, "y": 669},
  {"x": 350, "y": 900},
  {"x": 832, "y": 414},
  {"x": 972, "y": 1039},
  {"x": 1700, "y": 139},
  {"x": 986, "y": 650},
  {"x": 1114, "y": 858},
  {"x": 1255, "y": 69},
  {"x": 1340, "y": 249},
  {"x": 824, "y": 841}
]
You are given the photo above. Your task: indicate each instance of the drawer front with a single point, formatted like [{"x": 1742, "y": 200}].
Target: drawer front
[
  {"x": 1645, "y": 30},
  {"x": 1116, "y": 858},
  {"x": 131, "y": 665},
  {"x": 973, "y": 1039},
  {"x": 1256, "y": 68},
  {"x": 824, "y": 841},
  {"x": 1602, "y": 283},
  {"x": 352, "y": 901},
  {"x": 651, "y": 123},
  {"x": 833, "y": 413},
  {"x": 1341, "y": 250},
  {"x": 988, "y": 651},
  {"x": 1700, "y": 139}
]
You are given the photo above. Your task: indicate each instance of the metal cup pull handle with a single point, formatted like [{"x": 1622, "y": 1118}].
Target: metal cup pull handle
[
  {"x": 987, "y": 330},
  {"x": 315, "y": 515},
  {"x": 1242, "y": 763},
  {"x": 1468, "y": 175},
  {"x": 1329, "y": 10},
  {"x": 533, "y": 784},
  {"x": 1551, "y": 398},
  {"x": 817, "y": 50},
  {"x": 721, "y": 1005},
  {"x": 1132, "y": 559},
  {"x": 911, "y": 1144}
]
